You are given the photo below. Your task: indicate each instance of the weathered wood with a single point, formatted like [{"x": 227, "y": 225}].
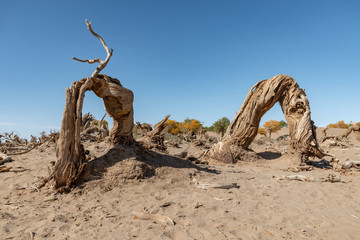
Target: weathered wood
[
  {"x": 118, "y": 103},
  {"x": 70, "y": 152},
  {"x": 260, "y": 98},
  {"x": 159, "y": 127},
  {"x": 143, "y": 127},
  {"x": 109, "y": 52},
  {"x": 153, "y": 139}
]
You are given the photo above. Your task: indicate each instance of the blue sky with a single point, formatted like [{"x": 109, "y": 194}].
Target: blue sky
[{"x": 193, "y": 59}]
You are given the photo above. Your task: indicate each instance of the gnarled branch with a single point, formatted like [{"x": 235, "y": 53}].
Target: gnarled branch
[{"x": 109, "y": 52}]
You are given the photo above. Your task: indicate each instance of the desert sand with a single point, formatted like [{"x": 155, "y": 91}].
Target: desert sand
[{"x": 125, "y": 196}]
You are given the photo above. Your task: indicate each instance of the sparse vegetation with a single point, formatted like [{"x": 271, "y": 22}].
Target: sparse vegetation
[
  {"x": 272, "y": 126},
  {"x": 220, "y": 125},
  {"x": 262, "y": 131},
  {"x": 283, "y": 124},
  {"x": 339, "y": 124},
  {"x": 189, "y": 125}
]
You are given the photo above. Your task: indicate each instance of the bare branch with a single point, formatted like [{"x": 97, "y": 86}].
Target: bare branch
[
  {"x": 88, "y": 60},
  {"x": 109, "y": 52}
]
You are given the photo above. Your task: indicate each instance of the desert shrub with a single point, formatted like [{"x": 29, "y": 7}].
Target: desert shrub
[
  {"x": 191, "y": 125},
  {"x": 173, "y": 126},
  {"x": 272, "y": 126},
  {"x": 221, "y": 125},
  {"x": 283, "y": 124},
  {"x": 262, "y": 131},
  {"x": 97, "y": 123},
  {"x": 267, "y": 139},
  {"x": 332, "y": 125},
  {"x": 342, "y": 124},
  {"x": 339, "y": 124}
]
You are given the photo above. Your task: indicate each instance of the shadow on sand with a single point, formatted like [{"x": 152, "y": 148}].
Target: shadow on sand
[{"x": 267, "y": 155}]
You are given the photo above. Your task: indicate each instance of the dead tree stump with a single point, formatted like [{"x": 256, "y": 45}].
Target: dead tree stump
[
  {"x": 154, "y": 139},
  {"x": 118, "y": 103}
]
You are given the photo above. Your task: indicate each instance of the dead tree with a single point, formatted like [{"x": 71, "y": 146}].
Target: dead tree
[
  {"x": 143, "y": 128},
  {"x": 154, "y": 139},
  {"x": 353, "y": 128},
  {"x": 260, "y": 98},
  {"x": 337, "y": 139},
  {"x": 86, "y": 121},
  {"x": 118, "y": 103}
]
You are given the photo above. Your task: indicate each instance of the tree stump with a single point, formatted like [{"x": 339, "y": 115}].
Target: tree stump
[{"x": 118, "y": 104}]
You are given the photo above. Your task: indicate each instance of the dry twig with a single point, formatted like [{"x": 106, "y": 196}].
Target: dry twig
[
  {"x": 154, "y": 217},
  {"x": 207, "y": 185}
]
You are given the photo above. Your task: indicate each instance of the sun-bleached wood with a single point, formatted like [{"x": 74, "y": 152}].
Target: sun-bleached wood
[
  {"x": 109, "y": 52},
  {"x": 260, "y": 98},
  {"x": 118, "y": 103}
]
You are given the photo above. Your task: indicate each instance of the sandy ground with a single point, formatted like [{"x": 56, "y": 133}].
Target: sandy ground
[{"x": 119, "y": 186}]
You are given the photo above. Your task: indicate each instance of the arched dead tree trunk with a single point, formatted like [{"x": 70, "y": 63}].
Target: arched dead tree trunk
[
  {"x": 260, "y": 98},
  {"x": 118, "y": 102}
]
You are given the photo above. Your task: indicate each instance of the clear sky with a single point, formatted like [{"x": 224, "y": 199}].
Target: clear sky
[{"x": 186, "y": 58}]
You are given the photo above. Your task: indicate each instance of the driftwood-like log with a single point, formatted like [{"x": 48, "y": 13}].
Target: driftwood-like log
[
  {"x": 118, "y": 103},
  {"x": 143, "y": 128},
  {"x": 159, "y": 127},
  {"x": 260, "y": 98},
  {"x": 153, "y": 139}
]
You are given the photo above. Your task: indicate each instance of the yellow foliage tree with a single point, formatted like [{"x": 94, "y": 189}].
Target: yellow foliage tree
[
  {"x": 191, "y": 125},
  {"x": 262, "y": 131},
  {"x": 339, "y": 124},
  {"x": 173, "y": 126},
  {"x": 272, "y": 126}
]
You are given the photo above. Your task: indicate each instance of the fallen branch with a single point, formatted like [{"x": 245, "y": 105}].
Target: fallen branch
[
  {"x": 154, "y": 217},
  {"x": 330, "y": 178},
  {"x": 300, "y": 168},
  {"x": 350, "y": 164},
  {"x": 219, "y": 186},
  {"x": 6, "y": 169},
  {"x": 19, "y": 153},
  {"x": 19, "y": 169},
  {"x": 15, "y": 148},
  {"x": 4, "y": 158}
]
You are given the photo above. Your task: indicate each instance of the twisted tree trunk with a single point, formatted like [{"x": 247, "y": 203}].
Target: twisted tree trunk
[
  {"x": 118, "y": 102},
  {"x": 260, "y": 98}
]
